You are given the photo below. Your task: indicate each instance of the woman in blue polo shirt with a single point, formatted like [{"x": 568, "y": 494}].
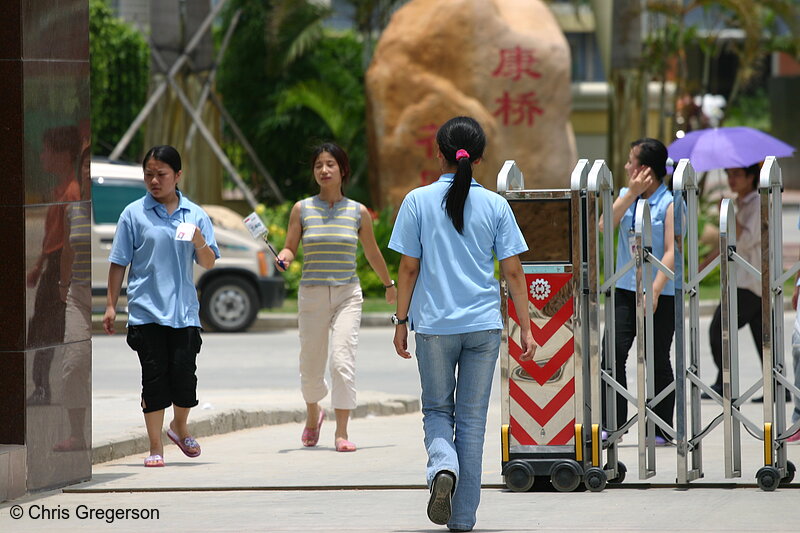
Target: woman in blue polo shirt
[
  {"x": 646, "y": 168},
  {"x": 163, "y": 310},
  {"x": 449, "y": 233}
]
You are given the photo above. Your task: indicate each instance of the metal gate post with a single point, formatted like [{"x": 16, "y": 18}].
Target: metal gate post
[
  {"x": 600, "y": 191},
  {"x": 770, "y": 189},
  {"x": 685, "y": 210},
  {"x": 730, "y": 340},
  {"x": 584, "y": 430},
  {"x": 643, "y": 245}
]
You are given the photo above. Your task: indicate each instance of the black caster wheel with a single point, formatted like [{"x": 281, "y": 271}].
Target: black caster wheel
[
  {"x": 565, "y": 476},
  {"x": 621, "y": 471},
  {"x": 519, "y": 476},
  {"x": 595, "y": 479},
  {"x": 790, "y": 469},
  {"x": 768, "y": 478}
]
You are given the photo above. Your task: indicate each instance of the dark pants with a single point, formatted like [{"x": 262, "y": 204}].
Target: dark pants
[
  {"x": 748, "y": 306},
  {"x": 625, "y": 332},
  {"x": 167, "y": 356},
  {"x": 46, "y": 326}
]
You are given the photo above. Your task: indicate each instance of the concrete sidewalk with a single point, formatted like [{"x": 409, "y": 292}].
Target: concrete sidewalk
[{"x": 264, "y": 480}]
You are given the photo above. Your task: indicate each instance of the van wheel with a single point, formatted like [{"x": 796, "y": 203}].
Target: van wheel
[{"x": 228, "y": 304}]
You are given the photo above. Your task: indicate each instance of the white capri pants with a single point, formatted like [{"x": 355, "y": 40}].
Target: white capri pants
[{"x": 328, "y": 320}]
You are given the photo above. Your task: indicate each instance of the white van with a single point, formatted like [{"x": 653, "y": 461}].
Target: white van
[{"x": 242, "y": 281}]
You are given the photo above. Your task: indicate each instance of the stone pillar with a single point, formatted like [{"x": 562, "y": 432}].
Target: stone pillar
[{"x": 45, "y": 341}]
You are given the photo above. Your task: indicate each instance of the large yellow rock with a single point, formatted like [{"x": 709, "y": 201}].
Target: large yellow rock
[{"x": 504, "y": 62}]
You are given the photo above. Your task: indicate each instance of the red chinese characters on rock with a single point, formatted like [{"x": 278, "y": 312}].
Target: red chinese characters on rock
[
  {"x": 515, "y": 63},
  {"x": 519, "y": 109},
  {"x": 426, "y": 137}
]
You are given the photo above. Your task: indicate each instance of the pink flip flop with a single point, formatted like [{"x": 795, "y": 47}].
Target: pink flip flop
[
  {"x": 154, "y": 461},
  {"x": 185, "y": 445},
  {"x": 311, "y": 435},
  {"x": 345, "y": 445}
]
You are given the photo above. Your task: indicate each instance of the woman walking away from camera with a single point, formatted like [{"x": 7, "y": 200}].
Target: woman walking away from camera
[
  {"x": 329, "y": 299},
  {"x": 449, "y": 233},
  {"x": 646, "y": 169},
  {"x": 160, "y": 236}
]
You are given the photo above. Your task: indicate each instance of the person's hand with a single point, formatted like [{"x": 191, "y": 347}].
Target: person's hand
[
  {"x": 282, "y": 262},
  {"x": 641, "y": 180},
  {"x": 33, "y": 275},
  {"x": 528, "y": 346},
  {"x": 391, "y": 295},
  {"x": 401, "y": 341},
  {"x": 197, "y": 239},
  {"x": 794, "y": 296},
  {"x": 109, "y": 318}
]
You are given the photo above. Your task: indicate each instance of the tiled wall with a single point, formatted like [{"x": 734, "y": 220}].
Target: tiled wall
[{"x": 45, "y": 346}]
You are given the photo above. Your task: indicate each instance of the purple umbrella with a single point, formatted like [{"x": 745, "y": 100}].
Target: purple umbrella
[{"x": 727, "y": 148}]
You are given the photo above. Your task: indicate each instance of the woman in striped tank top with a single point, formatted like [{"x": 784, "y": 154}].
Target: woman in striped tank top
[{"x": 329, "y": 298}]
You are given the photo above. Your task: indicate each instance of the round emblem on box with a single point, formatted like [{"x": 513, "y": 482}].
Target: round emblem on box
[{"x": 540, "y": 289}]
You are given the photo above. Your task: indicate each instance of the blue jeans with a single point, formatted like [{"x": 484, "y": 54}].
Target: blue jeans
[{"x": 456, "y": 373}]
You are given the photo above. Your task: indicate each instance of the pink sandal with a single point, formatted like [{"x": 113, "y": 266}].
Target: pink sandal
[
  {"x": 311, "y": 435},
  {"x": 154, "y": 460},
  {"x": 345, "y": 445}
]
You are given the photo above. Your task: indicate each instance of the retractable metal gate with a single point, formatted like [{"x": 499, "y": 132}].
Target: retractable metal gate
[{"x": 567, "y": 383}]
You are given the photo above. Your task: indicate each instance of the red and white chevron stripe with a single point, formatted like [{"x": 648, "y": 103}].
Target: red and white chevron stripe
[{"x": 542, "y": 391}]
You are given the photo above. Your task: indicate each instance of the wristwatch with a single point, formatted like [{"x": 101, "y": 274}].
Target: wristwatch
[
  {"x": 396, "y": 321},
  {"x": 390, "y": 285}
]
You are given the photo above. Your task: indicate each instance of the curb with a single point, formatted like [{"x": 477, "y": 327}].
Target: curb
[
  {"x": 279, "y": 321},
  {"x": 238, "y": 419}
]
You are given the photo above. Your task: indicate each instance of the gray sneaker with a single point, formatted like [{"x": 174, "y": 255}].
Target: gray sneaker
[{"x": 439, "y": 508}]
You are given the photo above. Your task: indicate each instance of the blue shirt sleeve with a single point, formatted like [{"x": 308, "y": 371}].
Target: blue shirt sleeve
[
  {"x": 406, "y": 231},
  {"x": 122, "y": 246},
  {"x": 509, "y": 240}
]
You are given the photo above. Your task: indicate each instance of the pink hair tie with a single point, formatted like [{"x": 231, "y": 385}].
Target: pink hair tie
[{"x": 462, "y": 154}]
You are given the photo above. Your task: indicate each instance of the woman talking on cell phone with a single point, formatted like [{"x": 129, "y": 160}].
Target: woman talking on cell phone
[{"x": 646, "y": 168}]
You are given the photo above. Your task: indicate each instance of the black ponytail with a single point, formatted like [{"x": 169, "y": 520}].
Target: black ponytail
[{"x": 461, "y": 141}]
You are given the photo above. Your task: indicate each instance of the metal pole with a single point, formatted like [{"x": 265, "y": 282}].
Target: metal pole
[
  {"x": 209, "y": 83},
  {"x": 580, "y": 281},
  {"x": 730, "y": 339},
  {"x": 159, "y": 91},
  {"x": 209, "y": 137},
  {"x": 644, "y": 341}
]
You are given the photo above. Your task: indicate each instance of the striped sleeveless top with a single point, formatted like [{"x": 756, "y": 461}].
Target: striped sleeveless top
[
  {"x": 330, "y": 240},
  {"x": 80, "y": 226}
]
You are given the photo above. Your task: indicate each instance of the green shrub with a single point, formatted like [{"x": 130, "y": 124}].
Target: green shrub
[{"x": 119, "y": 62}]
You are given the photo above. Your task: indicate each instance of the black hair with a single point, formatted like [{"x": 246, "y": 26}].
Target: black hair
[
  {"x": 755, "y": 171},
  {"x": 460, "y": 133},
  {"x": 338, "y": 154},
  {"x": 166, "y": 154},
  {"x": 653, "y": 154}
]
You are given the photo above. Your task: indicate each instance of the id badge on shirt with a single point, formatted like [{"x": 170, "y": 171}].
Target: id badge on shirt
[{"x": 632, "y": 241}]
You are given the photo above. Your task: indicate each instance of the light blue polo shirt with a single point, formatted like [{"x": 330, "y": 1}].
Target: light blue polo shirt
[
  {"x": 659, "y": 202},
  {"x": 456, "y": 291},
  {"x": 160, "y": 282}
]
